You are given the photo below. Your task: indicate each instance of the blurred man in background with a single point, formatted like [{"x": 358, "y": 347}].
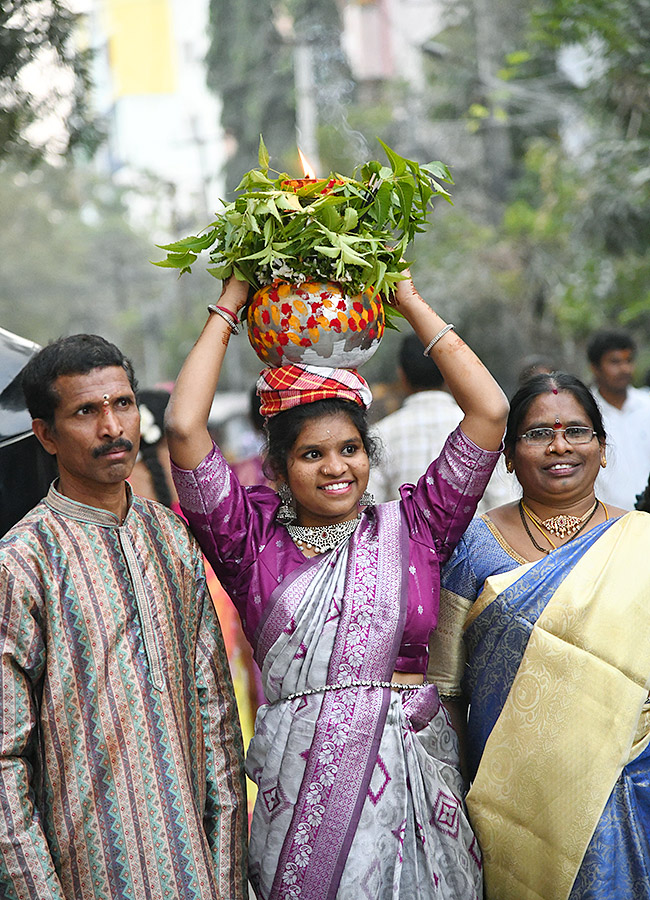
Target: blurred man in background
[
  {"x": 626, "y": 416},
  {"x": 415, "y": 434}
]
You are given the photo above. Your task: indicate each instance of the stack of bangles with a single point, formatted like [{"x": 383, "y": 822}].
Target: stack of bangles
[{"x": 227, "y": 315}]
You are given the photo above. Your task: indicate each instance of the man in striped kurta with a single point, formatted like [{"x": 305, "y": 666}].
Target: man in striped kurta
[{"x": 121, "y": 766}]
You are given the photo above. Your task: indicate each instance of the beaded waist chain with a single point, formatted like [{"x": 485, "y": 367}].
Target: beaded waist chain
[{"x": 367, "y": 683}]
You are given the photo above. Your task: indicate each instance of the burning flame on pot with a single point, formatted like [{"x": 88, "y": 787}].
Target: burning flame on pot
[{"x": 307, "y": 169}]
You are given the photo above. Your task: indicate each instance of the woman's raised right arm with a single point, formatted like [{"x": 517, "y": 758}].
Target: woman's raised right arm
[{"x": 186, "y": 418}]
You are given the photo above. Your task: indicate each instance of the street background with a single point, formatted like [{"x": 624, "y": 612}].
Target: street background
[{"x": 123, "y": 123}]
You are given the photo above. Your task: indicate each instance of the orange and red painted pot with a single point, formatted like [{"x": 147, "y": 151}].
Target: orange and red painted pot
[{"x": 315, "y": 323}]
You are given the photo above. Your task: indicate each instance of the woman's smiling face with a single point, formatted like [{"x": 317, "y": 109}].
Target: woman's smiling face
[
  {"x": 327, "y": 470},
  {"x": 560, "y": 470}
]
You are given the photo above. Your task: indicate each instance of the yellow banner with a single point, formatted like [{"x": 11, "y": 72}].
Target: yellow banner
[{"x": 140, "y": 46}]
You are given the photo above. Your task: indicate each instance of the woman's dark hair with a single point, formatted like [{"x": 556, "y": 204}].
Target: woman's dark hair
[
  {"x": 254, "y": 414},
  {"x": 283, "y": 429},
  {"x": 546, "y": 383},
  {"x": 155, "y": 400}
]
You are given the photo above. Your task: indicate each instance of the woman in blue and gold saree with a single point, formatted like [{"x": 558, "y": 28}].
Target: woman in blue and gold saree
[{"x": 552, "y": 594}]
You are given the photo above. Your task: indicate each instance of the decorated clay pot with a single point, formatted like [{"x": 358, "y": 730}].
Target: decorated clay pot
[{"x": 314, "y": 324}]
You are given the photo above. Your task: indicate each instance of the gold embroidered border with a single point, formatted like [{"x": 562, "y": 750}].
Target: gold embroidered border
[{"x": 502, "y": 542}]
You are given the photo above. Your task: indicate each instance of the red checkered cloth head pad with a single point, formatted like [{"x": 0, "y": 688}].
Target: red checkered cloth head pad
[{"x": 292, "y": 385}]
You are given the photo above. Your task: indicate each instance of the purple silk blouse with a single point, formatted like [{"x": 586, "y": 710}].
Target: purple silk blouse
[{"x": 252, "y": 553}]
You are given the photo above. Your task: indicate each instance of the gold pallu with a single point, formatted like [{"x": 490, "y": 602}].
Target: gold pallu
[{"x": 572, "y": 719}]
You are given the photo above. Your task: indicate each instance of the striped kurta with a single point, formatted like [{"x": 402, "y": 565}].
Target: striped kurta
[{"x": 121, "y": 765}]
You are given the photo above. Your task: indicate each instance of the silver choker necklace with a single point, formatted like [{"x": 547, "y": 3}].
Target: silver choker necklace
[{"x": 322, "y": 537}]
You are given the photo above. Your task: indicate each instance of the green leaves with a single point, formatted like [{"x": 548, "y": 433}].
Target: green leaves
[
  {"x": 397, "y": 163},
  {"x": 178, "y": 261},
  {"x": 195, "y": 244},
  {"x": 263, "y": 155},
  {"x": 353, "y": 230}
]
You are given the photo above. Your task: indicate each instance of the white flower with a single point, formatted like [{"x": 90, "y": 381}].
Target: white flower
[
  {"x": 149, "y": 431},
  {"x": 328, "y": 775},
  {"x": 327, "y": 754},
  {"x": 303, "y": 835},
  {"x": 315, "y": 816}
]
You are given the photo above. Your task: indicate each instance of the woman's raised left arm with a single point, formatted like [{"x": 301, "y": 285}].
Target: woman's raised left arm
[{"x": 472, "y": 386}]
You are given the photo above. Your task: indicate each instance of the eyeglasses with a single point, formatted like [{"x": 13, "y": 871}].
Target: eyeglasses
[{"x": 542, "y": 437}]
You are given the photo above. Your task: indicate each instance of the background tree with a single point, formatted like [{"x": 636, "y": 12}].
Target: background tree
[
  {"x": 252, "y": 67},
  {"x": 580, "y": 210},
  {"x": 70, "y": 262},
  {"x": 562, "y": 223},
  {"x": 249, "y": 66},
  {"x": 43, "y": 71}
]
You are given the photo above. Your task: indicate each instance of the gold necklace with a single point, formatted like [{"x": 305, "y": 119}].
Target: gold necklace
[
  {"x": 562, "y": 525},
  {"x": 525, "y": 512}
]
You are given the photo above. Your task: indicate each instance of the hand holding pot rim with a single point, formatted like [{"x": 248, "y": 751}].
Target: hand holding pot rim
[{"x": 234, "y": 294}]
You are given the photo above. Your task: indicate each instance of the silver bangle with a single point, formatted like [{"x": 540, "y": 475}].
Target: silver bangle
[
  {"x": 235, "y": 328},
  {"x": 434, "y": 340}
]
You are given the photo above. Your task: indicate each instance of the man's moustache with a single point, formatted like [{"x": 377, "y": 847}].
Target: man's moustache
[{"x": 119, "y": 444}]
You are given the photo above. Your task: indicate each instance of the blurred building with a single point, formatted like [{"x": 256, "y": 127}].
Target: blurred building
[
  {"x": 389, "y": 40},
  {"x": 384, "y": 38},
  {"x": 150, "y": 86}
]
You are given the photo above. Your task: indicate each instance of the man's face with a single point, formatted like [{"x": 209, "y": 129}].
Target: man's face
[
  {"x": 615, "y": 371},
  {"x": 96, "y": 431}
]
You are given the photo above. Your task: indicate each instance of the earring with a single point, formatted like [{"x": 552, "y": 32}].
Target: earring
[
  {"x": 603, "y": 461},
  {"x": 367, "y": 499},
  {"x": 510, "y": 468},
  {"x": 286, "y": 512}
]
